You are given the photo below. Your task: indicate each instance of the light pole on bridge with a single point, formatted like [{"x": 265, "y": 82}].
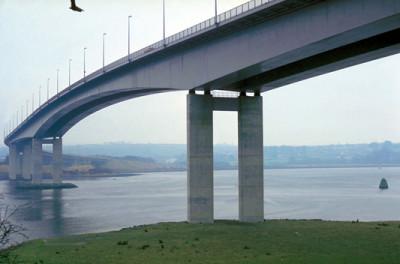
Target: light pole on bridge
[
  {"x": 84, "y": 64},
  {"x": 216, "y": 12},
  {"x": 27, "y": 108},
  {"x": 69, "y": 72},
  {"x": 33, "y": 102},
  {"x": 104, "y": 52},
  {"x": 48, "y": 88},
  {"x": 164, "y": 23},
  {"x": 40, "y": 96},
  {"x": 129, "y": 38},
  {"x": 58, "y": 73}
]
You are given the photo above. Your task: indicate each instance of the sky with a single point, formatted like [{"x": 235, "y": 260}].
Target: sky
[{"x": 353, "y": 105}]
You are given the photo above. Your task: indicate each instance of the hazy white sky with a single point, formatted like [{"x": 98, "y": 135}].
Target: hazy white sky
[{"x": 354, "y": 105}]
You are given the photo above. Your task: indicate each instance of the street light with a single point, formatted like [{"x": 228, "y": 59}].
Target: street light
[
  {"x": 104, "y": 47},
  {"x": 69, "y": 72},
  {"x": 27, "y": 110},
  {"x": 33, "y": 102},
  {"x": 164, "y": 23},
  {"x": 40, "y": 95},
  {"x": 58, "y": 73},
  {"x": 216, "y": 12},
  {"x": 129, "y": 38},
  {"x": 84, "y": 63},
  {"x": 48, "y": 85}
]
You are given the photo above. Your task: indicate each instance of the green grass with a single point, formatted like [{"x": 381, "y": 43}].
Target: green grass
[{"x": 276, "y": 241}]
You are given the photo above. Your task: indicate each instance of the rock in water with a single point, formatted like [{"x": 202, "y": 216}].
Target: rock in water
[{"x": 383, "y": 185}]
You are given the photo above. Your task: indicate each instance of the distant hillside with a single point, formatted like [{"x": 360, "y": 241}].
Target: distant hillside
[
  {"x": 119, "y": 158},
  {"x": 225, "y": 156},
  {"x": 75, "y": 166}
]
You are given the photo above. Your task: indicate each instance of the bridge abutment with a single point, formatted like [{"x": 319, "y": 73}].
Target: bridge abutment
[{"x": 200, "y": 185}]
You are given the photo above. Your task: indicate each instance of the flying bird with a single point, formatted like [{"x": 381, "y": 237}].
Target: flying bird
[{"x": 74, "y": 7}]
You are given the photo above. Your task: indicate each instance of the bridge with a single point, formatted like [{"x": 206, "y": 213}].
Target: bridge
[{"x": 253, "y": 48}]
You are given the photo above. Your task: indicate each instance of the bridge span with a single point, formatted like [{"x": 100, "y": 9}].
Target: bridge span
[{"x": 253, "y": 48}]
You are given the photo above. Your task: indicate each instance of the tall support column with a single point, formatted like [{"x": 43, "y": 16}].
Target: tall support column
[
  {"x": 12, "y": 162},
  {"x": 251, "y": 171},
  {"x": 200, "y": 158},
  {"x": 37, "y": 160},
  {"x": 27, "y": 161},
  {"x": 18, "y": 163},
  {"x": 57, "y": 160}
]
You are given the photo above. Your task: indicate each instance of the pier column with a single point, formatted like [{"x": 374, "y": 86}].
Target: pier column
[
  {"x": 18, "y": 163},
  {"x": 57, "y": 160},
  {"x": 37, "y": 160},
  {"x": 200, "y": 158},
  {"x": 251, "y": 165},
  {"x": 27, "y": 161},
  {"x": 12, "y": 162}
]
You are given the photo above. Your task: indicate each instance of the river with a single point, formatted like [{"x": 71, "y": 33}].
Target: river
[{"x": 105, "y": 204}]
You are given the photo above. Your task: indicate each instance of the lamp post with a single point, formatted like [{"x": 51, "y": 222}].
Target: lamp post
[
  {"x": 33, "y": 102},
  {"x": 58, "y": 73},
  {"x": 48, "y": 91},
  {"x": 129, "y": 38},
  {"x": 164, "y": 23},
  {"x": 84, "y": 63},
  {"x": 216, "y": 12},
  {"x": 27, "y": 108},
  {"x": 104, "y": 52},
  {"x": 40, "y": 95},
  {"x": 69, "y": 72}
]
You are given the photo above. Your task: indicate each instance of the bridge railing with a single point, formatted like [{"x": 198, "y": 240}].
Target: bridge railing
[{"x": 197, "y": 29}]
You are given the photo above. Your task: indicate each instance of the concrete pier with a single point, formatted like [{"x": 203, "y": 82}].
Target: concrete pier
[
  {"x": 200, "y": 184},
  {"x": 12, "y": 162},
  {"x": 27, "y": 161},
  {"x": 18, "y": 163},
  {"x": 200, "y": 156},
  {"x": 37, "y": 161},
  {"x": 251, "y": 165},
  {"x": 57, "y": 160}
]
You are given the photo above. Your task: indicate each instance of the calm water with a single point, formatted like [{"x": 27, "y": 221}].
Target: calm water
[{"x": 112, "y": 203}]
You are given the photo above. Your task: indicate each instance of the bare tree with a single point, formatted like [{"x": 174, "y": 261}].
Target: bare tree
[
  {"x": 8, "y": 232},
  {"x": 8, "y": 229},
  {"x": 74, "y": 7}
]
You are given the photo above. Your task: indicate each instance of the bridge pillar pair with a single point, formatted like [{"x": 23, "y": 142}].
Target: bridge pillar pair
[
  {"x": 30, "y": 160},
  {"x": 200, "y": 156}
]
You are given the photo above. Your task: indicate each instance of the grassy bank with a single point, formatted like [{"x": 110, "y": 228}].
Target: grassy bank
[{"x": 278, "y": 241}]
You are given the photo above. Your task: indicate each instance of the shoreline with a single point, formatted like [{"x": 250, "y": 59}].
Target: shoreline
[{"x": 4, "y": 176}]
